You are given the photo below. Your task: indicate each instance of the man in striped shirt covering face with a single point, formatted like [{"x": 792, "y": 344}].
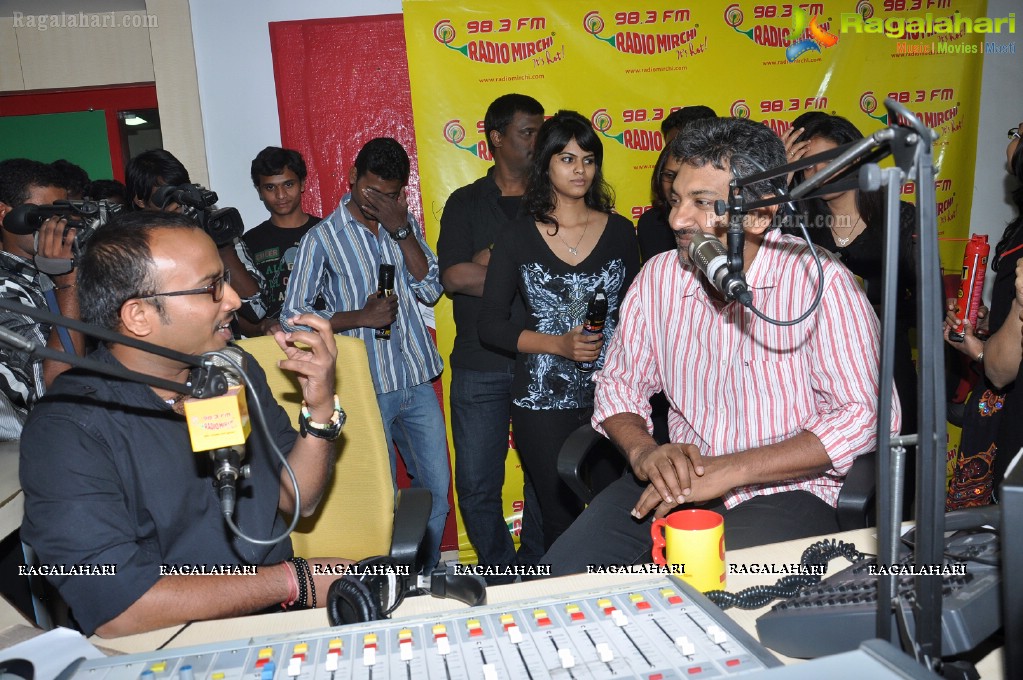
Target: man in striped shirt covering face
[{"x": 764, "y": 420}]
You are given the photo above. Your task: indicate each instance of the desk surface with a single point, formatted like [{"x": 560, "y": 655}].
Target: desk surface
[{"x": 272, "y": 624}]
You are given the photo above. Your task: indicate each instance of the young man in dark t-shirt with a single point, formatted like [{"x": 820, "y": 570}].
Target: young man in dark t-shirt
[{"x": 279, "y": 177}]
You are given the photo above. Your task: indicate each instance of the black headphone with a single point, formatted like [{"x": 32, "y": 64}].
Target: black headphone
[{"x": 377, "y": 587}]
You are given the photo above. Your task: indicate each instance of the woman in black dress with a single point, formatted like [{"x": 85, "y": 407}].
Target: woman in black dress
[{"x": 569, "y": 246}]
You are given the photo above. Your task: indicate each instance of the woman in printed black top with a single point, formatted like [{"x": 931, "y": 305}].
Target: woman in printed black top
[{"x": 568, "y": 246}]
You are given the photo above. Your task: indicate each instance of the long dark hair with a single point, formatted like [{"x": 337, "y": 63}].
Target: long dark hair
[
  {"x": 657, "y": 197},
  {"x": 1013, "y": 228},
  {"x": 870, "y": 204},
  {"x": 554, "y": 136}
]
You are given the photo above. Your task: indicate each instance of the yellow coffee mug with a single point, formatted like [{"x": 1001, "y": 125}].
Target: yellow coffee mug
[{"x": 695, "y": 540}]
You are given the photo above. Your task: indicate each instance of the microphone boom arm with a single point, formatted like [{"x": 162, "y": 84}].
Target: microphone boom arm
[{"x": 205, "y": 380}]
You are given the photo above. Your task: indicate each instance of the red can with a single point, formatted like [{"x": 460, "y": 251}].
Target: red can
[{"x": 971, "y": 286}]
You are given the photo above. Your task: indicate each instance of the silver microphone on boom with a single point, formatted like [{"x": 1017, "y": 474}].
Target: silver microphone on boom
[{"x": 710, "y": 257}]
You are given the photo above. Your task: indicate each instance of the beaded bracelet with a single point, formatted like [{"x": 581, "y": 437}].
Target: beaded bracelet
[
  {"x": 329, "y": 430},
  {"x": 335, "y": 417},
  {"x": 301, "y": 569}
]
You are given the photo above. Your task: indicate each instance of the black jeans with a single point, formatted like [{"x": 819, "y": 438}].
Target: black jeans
[
  {"x": 606, "y": 534},
  {"x": 480, "y": 410},
  {"x": 538, "y": 438}
]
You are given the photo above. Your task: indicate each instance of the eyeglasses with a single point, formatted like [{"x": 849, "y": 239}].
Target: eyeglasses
[
  {"x": 1014, "y": 133},
  {"x": 214, "y": 290}
]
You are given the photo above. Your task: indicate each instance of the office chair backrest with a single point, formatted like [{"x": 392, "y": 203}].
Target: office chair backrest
[{"x": 355, "y": 517}]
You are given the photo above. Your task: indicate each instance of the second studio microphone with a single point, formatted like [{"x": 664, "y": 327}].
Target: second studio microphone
[
  {"x": 385, "y": 288},
  {"x": 710, "y": 257}
]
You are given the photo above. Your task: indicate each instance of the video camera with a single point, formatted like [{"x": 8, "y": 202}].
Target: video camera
[
  {"x": 85, "y": 216},
  {"x": 223, "y": 225}
]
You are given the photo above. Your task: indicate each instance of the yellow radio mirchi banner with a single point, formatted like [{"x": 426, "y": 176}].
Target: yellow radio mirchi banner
[{"x": 626, "y": 65}]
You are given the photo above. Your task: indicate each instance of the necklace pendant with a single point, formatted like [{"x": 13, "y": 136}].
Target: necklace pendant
[{"x": 574, "y": 251}]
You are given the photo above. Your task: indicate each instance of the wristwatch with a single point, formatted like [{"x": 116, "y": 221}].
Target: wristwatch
[{"x": 402, "y": 232}]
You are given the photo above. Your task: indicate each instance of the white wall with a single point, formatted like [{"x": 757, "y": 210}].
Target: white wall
[
  {"x": 239, "y": 102},
  {"x": 236, "y": 83}
]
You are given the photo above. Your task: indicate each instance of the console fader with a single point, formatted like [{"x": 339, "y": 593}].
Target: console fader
[{"x": 660, "y": 630}]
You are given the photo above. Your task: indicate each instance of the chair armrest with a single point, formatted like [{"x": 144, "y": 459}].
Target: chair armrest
[
  {"x": 411, "y": 514},
  {"x": 856, "y": 499},
  {"x": 572, "y": 460}
]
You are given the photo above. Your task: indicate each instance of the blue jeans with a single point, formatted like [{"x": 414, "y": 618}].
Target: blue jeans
[
  {"x": 413, "y": 421},
  {"x": 480, "y": 410}
]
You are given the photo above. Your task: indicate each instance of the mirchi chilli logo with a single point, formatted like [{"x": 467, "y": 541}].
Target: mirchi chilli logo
[
  {"x": 670, "y": 34},
  {"x": 454, "y": 134},
  {"x": 480, "y": 47},
  {"x": 804, "y": 33}
]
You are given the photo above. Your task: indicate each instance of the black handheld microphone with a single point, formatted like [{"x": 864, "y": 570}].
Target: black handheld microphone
[
  {"x": 711, "y": 258},
  {"x": 222, "y": 420},
  {"x": 385, "y": 288},
  {"x": 596, "y": 315}
]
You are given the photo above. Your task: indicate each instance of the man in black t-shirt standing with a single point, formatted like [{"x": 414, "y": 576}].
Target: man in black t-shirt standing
[
  {"x": 481, "y": 377},
  {"x": 279, "y": 177}
]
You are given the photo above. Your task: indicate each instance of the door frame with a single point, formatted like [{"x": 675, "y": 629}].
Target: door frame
[{"x": 111, "y": 99}]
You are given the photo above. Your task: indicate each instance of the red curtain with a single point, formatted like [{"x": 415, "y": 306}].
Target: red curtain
[{"x": 340, "y": 83}]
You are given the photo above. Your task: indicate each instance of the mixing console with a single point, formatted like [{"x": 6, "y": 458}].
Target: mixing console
[{"x": 660, "y": 631}]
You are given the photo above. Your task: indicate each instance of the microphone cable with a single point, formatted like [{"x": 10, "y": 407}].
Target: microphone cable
[
  {"x": 257, "y": 407},
  {"x": 783, "y": 192}
]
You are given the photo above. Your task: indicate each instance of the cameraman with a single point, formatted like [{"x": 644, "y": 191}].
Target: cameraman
[
  {"x": 23, "y": 379},
  {"x": 148, "y": 171}
]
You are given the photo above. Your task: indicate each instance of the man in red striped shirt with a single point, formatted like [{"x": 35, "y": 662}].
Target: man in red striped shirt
[{"x": 765, "y": 420}]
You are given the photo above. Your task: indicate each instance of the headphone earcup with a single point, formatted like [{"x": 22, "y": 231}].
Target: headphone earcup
[
  {"x": 388, "y": 587},
  {"x": 350, "y": 601}
]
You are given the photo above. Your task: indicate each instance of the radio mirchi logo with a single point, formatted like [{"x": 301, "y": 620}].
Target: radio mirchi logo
[
  {"x": 771, "y": 110},
  {"x": 670, "y": 35},
  {"x": 483, "y": 50},
  {"x": 633, "y": 138},
  {"x": 803, "y": 35},
  {"x": 942, "y": 102}
]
